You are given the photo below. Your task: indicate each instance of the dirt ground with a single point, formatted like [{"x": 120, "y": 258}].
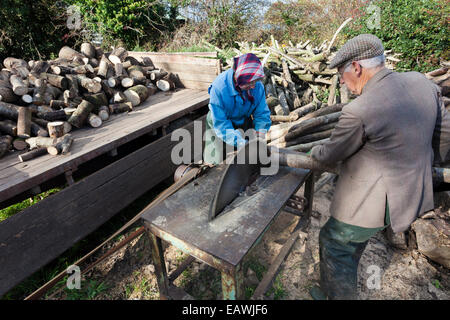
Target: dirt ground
[{"x": 404, "y": 274}]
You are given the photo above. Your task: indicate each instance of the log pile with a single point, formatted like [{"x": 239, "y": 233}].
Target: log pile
[
  {"x": 441, "y": 77},
  {"x": 39, "y": 99}
]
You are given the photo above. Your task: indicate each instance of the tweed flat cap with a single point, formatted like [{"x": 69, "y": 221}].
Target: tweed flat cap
[{"x": 361, "y": 47}]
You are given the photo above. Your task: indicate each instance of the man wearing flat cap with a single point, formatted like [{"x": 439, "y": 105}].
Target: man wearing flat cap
[{"x": 385, "y": 143}]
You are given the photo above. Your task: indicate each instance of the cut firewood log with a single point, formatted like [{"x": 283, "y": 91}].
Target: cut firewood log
[
  {"x": 8, "y": 127},
  {"x": 32, "y": 154},
  {"x": 320, "y": 112},
  {"x": 22, "y": 72},
  {"x": 103, "y": 67},
  {"x": 307, "y": 146},
  {"x": 283, "y": 109},
  {"x": 55, "y": 80},
  {"x": 57, "y": 104},
  {"x": 436, "y": 73},
  {"x": 119, "y": 97},
  {"x": 305, "y": 139},
  {"x": 37, "y": 130},
  {"x": 132, "y": 60},
  {"x": 53, "y": 93},
  {"x": 79, "y": 117},
  {"x": 40, "y": 122},
  {"x": 272, "y": 102},
  {"x": 157, "y": 74},
  {"x": 24, "y": 122},
  {"x": 67, "y": 127},
  {"x": 300, "y": 112},
  {"x": 11, "y": 63},
  {"x": 120, "y": 107},
  {"x": 146, "y": 61},
  {"x": 53, "y": 115},
  {"x": 5, "y": 144},
  {"x": 165, "y": 84},
  {"x": 445, "y": 87},
  {"x": 118, "y": 55},
  {"x": 26, "y": 99},
  {"x": 94, "y": 62},
  {"x": 7, "y": 94},
  {"x": 103, "y": 113},
  {"x": 94, "y": 120},
  {"x": 40, "y": 67},
  {"x": 62, "y": 70},
  {"x": 40, "y": 142},
  {"x": 107, "y": 89},
  {"x": 309, "y": 124},
  {"x": 90, "y": 85},
  {"x": 88, "y": 50},
  {"x": 68, "y": 53},
  {"x": 118, "y": 69},
  {"x": 62, "y": 147},
  {"x": 20, "y": 144},
  {"x": 136, "y": 71},
  {"x": 56, "y": 129},
  {"x": 151, "y": 88},
  {"x": 73, "y": 86},
  {"x": 97, "y": 99},
  {"x": 137, "y": 94},
  {"x": 9, "y": 111},
  {"x": 287, "y": 76},
  {"x": 129, "y": 82},
  {"x": 98, "y": 52},
  {"x": 332, "y": 96},
  {"x": 18, "y": 86}
]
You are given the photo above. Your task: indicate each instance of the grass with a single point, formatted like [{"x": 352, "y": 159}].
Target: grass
[
  {"x": 16, "y": 208},
  {"x": 88, "y": 291},
  {"x": 278, "y": 291}
]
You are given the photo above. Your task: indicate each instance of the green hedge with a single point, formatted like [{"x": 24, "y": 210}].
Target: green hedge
[{"x": 419, "y": 29}]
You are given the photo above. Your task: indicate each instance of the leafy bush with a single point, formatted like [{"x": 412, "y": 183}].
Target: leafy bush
[
  {"x": 127, "y": 22},
  {"x": 418, "y": 29},
  {"x": 31, "y": 29}
]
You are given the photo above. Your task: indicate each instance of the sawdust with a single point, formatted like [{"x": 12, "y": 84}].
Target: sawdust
[{"x": 404, "y": 274}]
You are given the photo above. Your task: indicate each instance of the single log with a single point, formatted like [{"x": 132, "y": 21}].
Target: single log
[
  {"x": 119, "y": 97},
  {"x": 20, "y": 144},
  {"x": 127, "y": 82},
  {"x": 272, "y": 102},
  {"x": 62, "y": 147},
  {"x": 40, "y": 67},
  {"x": 304, "y": 126},
  {"x": 136, "y": 95},
  {"x": 69, "y": 53},
  {"x": 445, "y": 87},
  {"x": 24, "y": 122},
  {"x": 297, "y": 113},
  {"x": 323, "y": 81},
  {"x": 136, "y": 71},
  {"x": 7, "y": 94},
  {"x": 120, "y": 107},
  {"x": 5, "y": 144},
  {"x": 305, "y": 77},
  {"x": 308, "y": 146},
  {"x": 107, "y": 89},
  {"x": 146, "y": 61},
  {"x": 73, "y": 86},
  {"x": 103, "y": 67},
  {"x": 8, "y": 127},
  {"x": 296, "y": 159},
  {"x": 67, "y": 127},
  {"x": 57, "y": 104},
  {"x": 37, "y": 130},
  {"x": 332, "y": 96},
  {"x": 56, "y": 129},
  {"x": 283, "y": 109},
  {"x": 52, "y": 115},
  {"x": 287, "y": 76},
  {"x": 165, "y": 84},
  {"x": 79, "y": 117},
  {"x": 40, "y": 142},
  {"x": 54, "y": 93},
  {"x": 118, "y": 69},
  {"x": 270, "y": 90},
  {"x": 288, "y": 118},
  {"x": 306, "y": 139},
  {"x": 344, "y": 93},
  {"x": 321, "y": 112},
  {"x": 11, "y": 63},
  {"x": 132, "y": 60},
  {"x": 118, "y": 55},
  {"x": 88, "y": 50},
  {"x": 61, "y": 70},
  {"x": 151, "y": 88},
  {"x": 32, "y": 154},
  {"x": 97, "y": 99},
  {"x": 90, "y": 85},
  {"x": 40, "y": 122},
  {"x": 157, "y": 74},
  {"x": 94, "y": 62},
  {"x": 94, "y": 120},
  {"x": 436, "y": 73},
  {"x": 98, "y": 52},
  {"x": 18, "y": 86},
  {"x": 55, "y": 80},
  {"x": 103, "y": 113},
  {"x": 26, "y": 99}
]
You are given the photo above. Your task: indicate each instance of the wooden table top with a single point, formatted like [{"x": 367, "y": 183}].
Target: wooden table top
[{"x": 184, "y": 215}]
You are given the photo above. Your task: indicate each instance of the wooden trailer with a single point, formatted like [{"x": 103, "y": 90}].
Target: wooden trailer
[{"x": 35, "y": 236}]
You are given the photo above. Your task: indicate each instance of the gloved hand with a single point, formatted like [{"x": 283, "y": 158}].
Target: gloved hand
[{"x": 309, "y": 152}]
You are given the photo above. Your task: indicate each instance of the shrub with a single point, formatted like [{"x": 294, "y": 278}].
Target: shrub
[{"x": 416, "y": 28}]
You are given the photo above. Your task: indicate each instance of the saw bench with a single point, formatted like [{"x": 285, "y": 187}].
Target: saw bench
[{"x": 182, "y": 221}]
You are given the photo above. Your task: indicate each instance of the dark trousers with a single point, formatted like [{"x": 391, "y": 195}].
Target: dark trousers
[{"x": 341, "y": 246}]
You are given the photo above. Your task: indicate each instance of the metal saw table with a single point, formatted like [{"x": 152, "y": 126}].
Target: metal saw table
[{"x": 182, "y": 221}]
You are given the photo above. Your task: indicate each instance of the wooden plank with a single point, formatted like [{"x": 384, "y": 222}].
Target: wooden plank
[
  {"x": 34, "y": 237},
  {"x": 91, "y": 142},
  {"x": 176, "y": 59},
  {"x": 194, "y": 54}
]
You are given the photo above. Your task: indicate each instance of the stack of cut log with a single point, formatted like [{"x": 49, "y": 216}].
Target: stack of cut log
[
  {"x": 441, "y": 77},
  {"x": 39, "y": 99}
]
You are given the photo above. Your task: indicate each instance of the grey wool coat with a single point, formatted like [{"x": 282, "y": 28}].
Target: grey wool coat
[{"x": 385, "y": 142}]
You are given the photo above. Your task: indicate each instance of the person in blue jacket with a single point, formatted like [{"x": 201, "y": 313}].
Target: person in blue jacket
[{"x": 237, "y": 101}]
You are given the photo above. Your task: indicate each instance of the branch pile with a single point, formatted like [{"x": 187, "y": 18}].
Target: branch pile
[{"x": 42, "y": 101}]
